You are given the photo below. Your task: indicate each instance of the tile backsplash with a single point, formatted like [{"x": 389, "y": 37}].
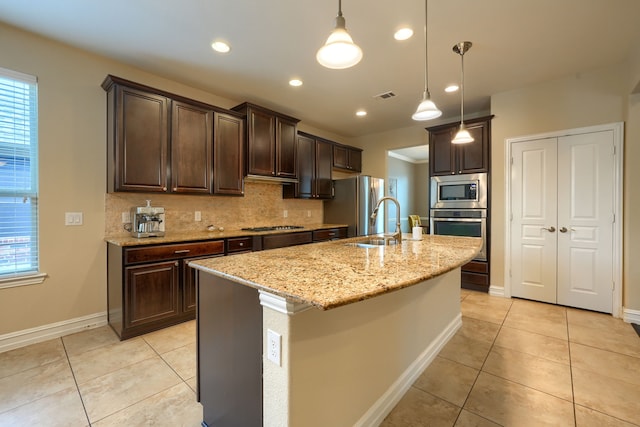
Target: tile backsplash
[{"x": 261, "y": 205}]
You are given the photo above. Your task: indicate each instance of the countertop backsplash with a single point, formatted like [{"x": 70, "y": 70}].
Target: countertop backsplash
[{"x": 261, "y": 205}]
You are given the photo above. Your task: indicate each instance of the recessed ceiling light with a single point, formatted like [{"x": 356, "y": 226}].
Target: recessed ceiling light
[
  {"x": 295, "y": 82},
  {"x": 220, "y": 46},
  {"x": 451, "y": 88},
  {"x": 403, "y": 34},
  {"x": 361, "y": 113}
]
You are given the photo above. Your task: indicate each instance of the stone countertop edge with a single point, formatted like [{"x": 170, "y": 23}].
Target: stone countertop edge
[
  {"x": 331, "y": 274},
  {"x": 194, "y": 236}
]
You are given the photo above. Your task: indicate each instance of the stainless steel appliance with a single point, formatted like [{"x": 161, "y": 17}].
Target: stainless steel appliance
[
  {"x": 467, "y": 191},
  {"x": 147, "y": 221},
  {"x": 353, "y": 203},
  {"x": 462, "y": 222}
]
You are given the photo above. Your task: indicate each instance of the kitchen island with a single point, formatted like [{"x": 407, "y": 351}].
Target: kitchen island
[{"x": 352, "y": 327}]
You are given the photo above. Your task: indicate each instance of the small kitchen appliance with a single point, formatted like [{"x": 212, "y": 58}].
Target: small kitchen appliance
[{"x": 147, "y": 221}]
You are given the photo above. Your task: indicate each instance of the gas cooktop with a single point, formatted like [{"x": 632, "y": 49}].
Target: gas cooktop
[{"x": 273, "y": 228}]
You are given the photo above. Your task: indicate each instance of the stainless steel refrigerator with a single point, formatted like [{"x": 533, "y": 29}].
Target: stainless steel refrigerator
[{"x": 353, "y": 203}]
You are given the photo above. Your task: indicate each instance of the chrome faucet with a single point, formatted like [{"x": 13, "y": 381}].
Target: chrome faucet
[{"x": 398, "y": 234}]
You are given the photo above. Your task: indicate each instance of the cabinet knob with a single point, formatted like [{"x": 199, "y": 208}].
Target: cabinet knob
[
  {"x": 241, "y": 243},
  {"x": 175, "y": 188},
  {"x": 164, "y": 188}
]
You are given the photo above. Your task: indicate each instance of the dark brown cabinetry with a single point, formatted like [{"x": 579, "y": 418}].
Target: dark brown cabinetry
[
  {"x": 151, "y": 287},
  {"x": 228, "y": 158},
  {"x": 191, "y": 148},
  {"x": 271, "y": 142},
  {"x": 274, "y": 241},
  {"x": 138, "y": 141},
  {"x": 314, "y": 169},
  {"x": 347, "y": 158},
  {"x": 161, "y": 142},
  {"x": 330, "y": 234},
  {"x": 450, "y": 159}
]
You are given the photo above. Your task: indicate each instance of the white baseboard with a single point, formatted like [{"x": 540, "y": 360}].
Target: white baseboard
[
  {"x": 496, "y": 291},
  {"x": 383, "y": 406},
  {"x": 53, "y": 330},
  {"x": 631, "y": 316}
]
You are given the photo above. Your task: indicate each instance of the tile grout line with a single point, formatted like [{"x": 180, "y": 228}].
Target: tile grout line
[{"x": 75, "y": 381}]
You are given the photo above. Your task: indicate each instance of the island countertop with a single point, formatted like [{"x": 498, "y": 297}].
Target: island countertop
[{"x": 332, "y": 274}]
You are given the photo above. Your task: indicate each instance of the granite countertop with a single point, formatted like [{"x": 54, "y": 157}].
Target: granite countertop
[
  {"x": 193, "y": 236},
  {"x": 332, "y": 274}
]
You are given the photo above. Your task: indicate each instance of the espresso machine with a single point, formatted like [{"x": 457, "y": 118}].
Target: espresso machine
[{"x": 147, "y": 221}]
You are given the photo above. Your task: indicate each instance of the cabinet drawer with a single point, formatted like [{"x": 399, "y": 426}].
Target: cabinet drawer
[
  {"x": 475, "y": 279},
  {"x": 476, "y": 267},
  {"x": 288, "y": 239},
  {"x": 330, "y": 234},
  {"x": 239, "y": 244},
  {"x": 175, "y": 251}
]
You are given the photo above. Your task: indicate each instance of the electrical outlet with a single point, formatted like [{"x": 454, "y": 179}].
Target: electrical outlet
[
  {"x": 285, "y": 213},
  {"x": 274, "y": 346},
  {"x": 198, "y": 216},
  {"x": 126, "y": 217},
  {"x": 308, "y": 214}
]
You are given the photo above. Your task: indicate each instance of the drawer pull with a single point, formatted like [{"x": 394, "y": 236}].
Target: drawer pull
[
  {"x": 332, "y": 234},
  {"x": 182, "y": 251}
]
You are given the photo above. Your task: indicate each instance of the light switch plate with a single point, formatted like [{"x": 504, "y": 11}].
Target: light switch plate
[{"x": 73, "y": 218}]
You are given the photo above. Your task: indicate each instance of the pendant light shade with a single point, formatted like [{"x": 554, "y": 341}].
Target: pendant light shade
[
  {"x": 339, "y": 51},
  {"x": 463, "y": 136},
  {"x": 427, "y": 109}
]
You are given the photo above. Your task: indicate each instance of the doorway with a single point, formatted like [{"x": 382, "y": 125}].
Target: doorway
[{"x": 564, "y": 205}]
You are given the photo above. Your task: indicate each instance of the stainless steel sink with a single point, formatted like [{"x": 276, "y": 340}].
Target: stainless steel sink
[{"x": 373, "y": 242}]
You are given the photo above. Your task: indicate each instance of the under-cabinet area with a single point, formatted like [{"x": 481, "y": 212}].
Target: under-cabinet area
[{"x": 151, "y": 286}]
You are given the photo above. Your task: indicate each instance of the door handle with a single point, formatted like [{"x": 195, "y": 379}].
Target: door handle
[
  {"x": 564, "y": 230},
  {"x": 550, "y": 229}
]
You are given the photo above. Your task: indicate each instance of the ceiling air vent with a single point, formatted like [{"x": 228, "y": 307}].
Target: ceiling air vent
[{"x": 385, "y": 95}]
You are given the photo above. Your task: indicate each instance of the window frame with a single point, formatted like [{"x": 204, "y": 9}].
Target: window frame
[{"x": 35, "y": 276}]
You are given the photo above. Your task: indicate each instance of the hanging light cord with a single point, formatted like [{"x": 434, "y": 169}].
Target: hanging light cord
[
  {"x": 339, "y": 7},
  {"x": 426, "y": 52},
  {"x": 462, "y": 87}
]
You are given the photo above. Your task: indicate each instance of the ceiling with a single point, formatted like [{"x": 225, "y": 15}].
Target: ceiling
[{"x": 515, "y": 43}]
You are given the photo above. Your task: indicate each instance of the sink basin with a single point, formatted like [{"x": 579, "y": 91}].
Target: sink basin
[{"x": 373, "y": 242}]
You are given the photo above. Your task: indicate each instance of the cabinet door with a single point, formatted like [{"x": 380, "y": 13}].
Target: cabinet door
[
  {"x": 261, "y": 143},
  {"x": 191, "y": 148},
  {"x": 189, "y": 279},
  {"x": 151, "y": 293},
  {"x": 306, "y": 167},
  {"x": 286, "y": 166},
  {"x": 141, "y": 141},
  {"x": 474, "y": 157},
  {"x": 322, "y": 182},
  {"x": 442, "y": 156},
  {"x": 228, "y": 155},
  {"x": 340, "y": 157},
  {"x": 355, "y": 160}
]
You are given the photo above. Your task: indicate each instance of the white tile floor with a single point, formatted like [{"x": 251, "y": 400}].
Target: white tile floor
[{"x": 513, "y": 363}]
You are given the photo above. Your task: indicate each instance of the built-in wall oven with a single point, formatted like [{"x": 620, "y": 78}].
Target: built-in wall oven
[
  {"x": 463, "y": 222},
  {"x": 459, "y": 207}
]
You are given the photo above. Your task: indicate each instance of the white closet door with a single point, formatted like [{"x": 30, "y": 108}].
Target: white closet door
[
  {"x": 534, "y": 210},
  {"x": 585, "y": 221}
]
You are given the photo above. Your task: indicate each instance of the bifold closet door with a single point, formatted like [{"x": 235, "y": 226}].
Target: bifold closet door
[
  {"x": 585, "y": 221},
  {"x": 562, "y": 195},
  {"x": 534, "y": 211}
]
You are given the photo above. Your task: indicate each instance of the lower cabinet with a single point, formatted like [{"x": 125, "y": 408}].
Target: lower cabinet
[
  {"x": 152, "y": 287},
  {"x": 475, "y": 276}
]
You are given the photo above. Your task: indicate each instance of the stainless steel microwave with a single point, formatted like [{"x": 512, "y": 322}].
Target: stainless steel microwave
[{"x": 468, "y": 191}]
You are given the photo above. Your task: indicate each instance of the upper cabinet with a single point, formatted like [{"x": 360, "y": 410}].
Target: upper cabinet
[
  {"x": 347, "y": 158},
  {"x": 271, "y": 143},
  {"x": 160, "y": 142},
  {"x": 446, "y": 158},
  {"x": 314, "y": 169}
]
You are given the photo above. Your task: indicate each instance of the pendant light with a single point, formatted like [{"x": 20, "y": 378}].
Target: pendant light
[
  {"x": 463, "y": 136},
  {"x": 339, "y": 51},
  {"x": 427, "y": 109}
]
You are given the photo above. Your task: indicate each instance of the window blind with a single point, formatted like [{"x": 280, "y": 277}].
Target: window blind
[{"x": 18, "y": 174}]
